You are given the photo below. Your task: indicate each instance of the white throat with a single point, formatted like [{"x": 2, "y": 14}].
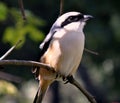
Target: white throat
[{"x": 75, "y": 26}]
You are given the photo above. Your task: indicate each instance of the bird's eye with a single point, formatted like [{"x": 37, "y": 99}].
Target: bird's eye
[{"x": 73, "y": 19}]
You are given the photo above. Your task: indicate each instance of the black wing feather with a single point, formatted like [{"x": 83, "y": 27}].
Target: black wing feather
[
  {"x": 43, "y": 50},
  {"x": 46, "y": 45}
]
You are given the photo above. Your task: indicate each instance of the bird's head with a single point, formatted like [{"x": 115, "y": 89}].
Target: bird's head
[{"x": 71, "y": 21}]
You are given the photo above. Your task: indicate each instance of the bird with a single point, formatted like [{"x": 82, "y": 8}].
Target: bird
[{"x": 62, "y": 49}]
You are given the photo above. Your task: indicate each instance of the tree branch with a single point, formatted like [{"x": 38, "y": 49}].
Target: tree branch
[
  {"x": 22, "y": 9},
  {"x": 45, "y": 66},
  {"x": 90, "y": 51},
  {"x": 61, "y": 6},
  {"x": 10, "y": 50},
  {"x": 26, "y": 63},
  {"x": 72, "y": 80}
]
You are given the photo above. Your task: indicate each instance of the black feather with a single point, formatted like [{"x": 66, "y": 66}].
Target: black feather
[
  {"x": 71, "y": 19},
  {"x": 46, "y": 45},
  {"x": 35, "y": 70}
]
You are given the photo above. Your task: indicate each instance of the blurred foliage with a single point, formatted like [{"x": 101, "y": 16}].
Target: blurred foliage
[
  {"x": 115, "y": 24},
  {"x": 18, "y": 29},
  {"x": 102, "y": 35},
  {"x": 7, "y": 88},
  {"x": 10, "y": 94},
  {"x": 3, "y": 11}
]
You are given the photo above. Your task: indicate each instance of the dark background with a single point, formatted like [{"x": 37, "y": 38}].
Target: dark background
[{"x": 100, "y": 74}]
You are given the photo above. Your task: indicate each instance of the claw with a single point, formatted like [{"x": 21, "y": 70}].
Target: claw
[
  {"x": 58, "y": 75},
  {"x": 65, "y": 79},
  {"x": 68, "y": 79},
  {"x": 66, "y": 82}
]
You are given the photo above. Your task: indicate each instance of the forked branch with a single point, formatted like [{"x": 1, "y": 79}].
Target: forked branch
[{"x": 45, "y": 66}]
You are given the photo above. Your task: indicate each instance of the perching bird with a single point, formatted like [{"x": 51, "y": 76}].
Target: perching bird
[{"x": 62, "y": 49}]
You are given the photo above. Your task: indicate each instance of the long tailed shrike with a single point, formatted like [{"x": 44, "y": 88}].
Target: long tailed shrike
[{"x": 62, "y": 49}]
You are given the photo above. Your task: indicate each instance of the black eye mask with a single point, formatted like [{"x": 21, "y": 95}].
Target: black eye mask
[{"x": 71, "y": 19}]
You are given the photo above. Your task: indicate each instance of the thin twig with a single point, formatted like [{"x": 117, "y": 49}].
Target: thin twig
[
  {"x": 10, "y": 50},
  {"x": 22, "y": 9},
  {"x": 90, "y": 51},
  {"x": 61, "y": 6},
  {"x": 84, "y": 91}
]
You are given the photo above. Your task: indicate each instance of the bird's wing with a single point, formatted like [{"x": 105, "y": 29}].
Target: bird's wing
[
  {"x": 43, "y": 47},
  {"x": 45, "y": 44}
]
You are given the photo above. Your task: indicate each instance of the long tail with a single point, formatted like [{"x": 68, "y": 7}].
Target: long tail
[{"x": 41, "y": 91}]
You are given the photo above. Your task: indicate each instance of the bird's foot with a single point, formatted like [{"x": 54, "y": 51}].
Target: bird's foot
[
  {"x": 58, "y": 75},
  {"x": 67, "y": 79}
]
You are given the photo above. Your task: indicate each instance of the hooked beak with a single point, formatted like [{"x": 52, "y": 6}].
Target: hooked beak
[{"x": 87, "y": 17}]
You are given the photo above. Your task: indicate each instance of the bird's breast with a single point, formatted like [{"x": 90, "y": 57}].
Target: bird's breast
[{"x": 65, "y": 52}]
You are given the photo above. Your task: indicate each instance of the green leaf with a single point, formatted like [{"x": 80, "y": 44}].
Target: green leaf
[
  {"x": 7, "y": 88},
  {"x": 34, "y": 20},
  {"x": 20, "y": 28},
  {"x": 3, "y": 11},
  {"x": 12, "y": 35},
  {"x": 35, "y": 34}
]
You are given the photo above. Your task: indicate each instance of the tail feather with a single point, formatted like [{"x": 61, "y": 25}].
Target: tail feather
[
  {"x": 39, "y": 96},
  {"x": 41, "y": 92}
]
